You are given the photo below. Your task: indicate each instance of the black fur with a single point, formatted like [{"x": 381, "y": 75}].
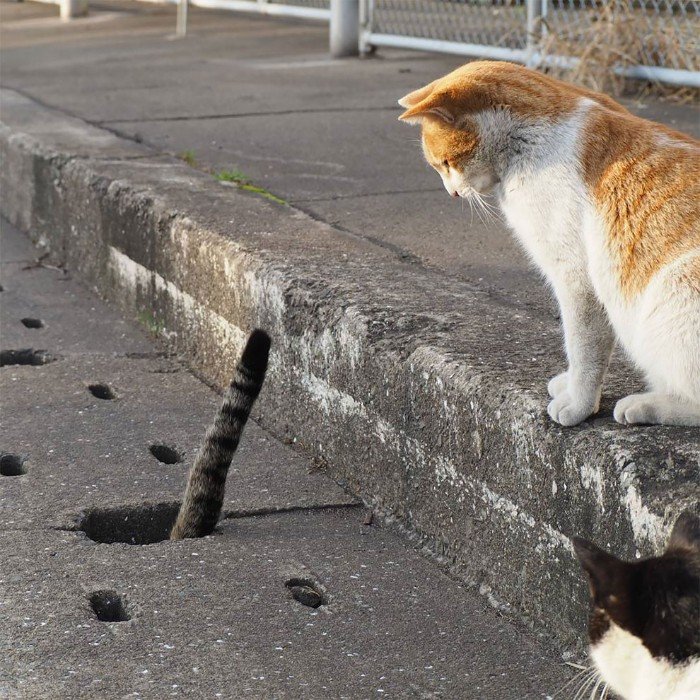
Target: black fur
[{"x": 655, "y": 599}]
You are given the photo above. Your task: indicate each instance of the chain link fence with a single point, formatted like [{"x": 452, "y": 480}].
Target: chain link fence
[
  {"x": 493, "y": 23},
  {"x": 649, "y": 39}
]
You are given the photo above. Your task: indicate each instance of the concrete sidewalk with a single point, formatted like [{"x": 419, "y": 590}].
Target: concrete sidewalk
[
  {"x": 212, "y": 617},
  {"x": 411, "y": 349}
]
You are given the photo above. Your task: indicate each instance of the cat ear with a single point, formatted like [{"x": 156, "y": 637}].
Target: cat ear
[
  {"x": 433, "y": 106},
  {"x": 604, "y": 571},
  {"x": 686, "y": 533},
  {"x": 413, "y": 98}
]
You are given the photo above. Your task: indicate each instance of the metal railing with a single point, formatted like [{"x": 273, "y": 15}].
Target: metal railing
[
  {"x": 664, "y": 34},
  {"x": 307, "y": 9}
]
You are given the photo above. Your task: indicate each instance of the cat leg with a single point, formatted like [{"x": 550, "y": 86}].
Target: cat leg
[
  {"x": 653, "y": 407},
  {"x": 666, "y": 348},
  {"x": 589, "y": 341}
]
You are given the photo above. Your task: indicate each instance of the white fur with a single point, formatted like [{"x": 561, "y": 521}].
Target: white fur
[
  {"x": 542, "y": 194},
  {"x": 629, "y": 669}
]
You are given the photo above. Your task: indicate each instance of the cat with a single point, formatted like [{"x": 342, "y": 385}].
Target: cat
[
  {"x": 644, "y": 626},
  {"x": 204, "y": 494},
  {"x": 608, "y": 207}
]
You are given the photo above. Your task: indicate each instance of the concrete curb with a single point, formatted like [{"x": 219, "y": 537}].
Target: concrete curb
[{"x": 420, "y": 393}]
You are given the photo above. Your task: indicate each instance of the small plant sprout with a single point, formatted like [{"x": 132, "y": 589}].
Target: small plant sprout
[{"x": 243, "y": 183}]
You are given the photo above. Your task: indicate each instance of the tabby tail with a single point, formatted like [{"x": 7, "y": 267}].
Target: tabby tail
[{"x": 204, "y": 495}]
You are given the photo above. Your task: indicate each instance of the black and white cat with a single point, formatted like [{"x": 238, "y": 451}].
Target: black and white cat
[{"x": 644, "y": 627}]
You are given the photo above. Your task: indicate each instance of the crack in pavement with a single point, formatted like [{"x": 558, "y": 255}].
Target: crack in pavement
[
  {"x": 237, "y": 115},
  {"x": 338, "y": 197},
  {"x": 256, "y": 512}
]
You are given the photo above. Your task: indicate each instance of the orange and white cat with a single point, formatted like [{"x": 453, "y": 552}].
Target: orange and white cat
[{"x": 608, "y": 207}]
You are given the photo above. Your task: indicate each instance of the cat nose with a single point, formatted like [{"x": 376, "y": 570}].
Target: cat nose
[{"x": 455, "y": 194}]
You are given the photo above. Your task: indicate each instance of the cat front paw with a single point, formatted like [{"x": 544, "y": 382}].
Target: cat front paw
[
  {"x": 570, "y": 410},
  {"x": 636, "y": 408},
  {"x": 558, "y": 384},
  {"x": 656, "y": 408}
]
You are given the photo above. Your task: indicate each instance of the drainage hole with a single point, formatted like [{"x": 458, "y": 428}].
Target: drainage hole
[
  {"x": 147, "y": 523},
  {"x": 306, "y": 592},
  {"x": 165, "y": 454},
  {"x": 32, "y": 322},
  {"x": 11, "y": 465},
  {"x": 109, "y": 606},
  {"x": 102, "y": 391},
  {"x": 28, "y": 356}
]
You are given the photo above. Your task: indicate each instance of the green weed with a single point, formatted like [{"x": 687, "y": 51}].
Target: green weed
[
  {"x": 189, "y": 157},
  {"x": 146, "y": 318},
  {"x": 238, "y": 178}
]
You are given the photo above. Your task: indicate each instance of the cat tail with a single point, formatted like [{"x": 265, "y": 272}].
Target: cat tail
[{"x": 204, "y": 494}]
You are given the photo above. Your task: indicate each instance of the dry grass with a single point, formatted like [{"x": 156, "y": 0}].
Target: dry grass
[{"x": 616, "y": 34}]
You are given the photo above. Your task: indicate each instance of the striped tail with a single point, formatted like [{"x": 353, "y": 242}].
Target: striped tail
[{"x": 204, "y": 495}]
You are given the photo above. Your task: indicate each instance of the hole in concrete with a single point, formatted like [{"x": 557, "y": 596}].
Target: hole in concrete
[
  {"x": 11, "y": 465},
  {"x": 32, "y": 322},
  {"x": 144, "y": 524},
  {"x": 109, "y": 606},
  {"x": 102, "y": 391},
  {"x": 27, "y": 356},
  {"x": 306, "y": 592},
  {"x": 165, "y": 454}
]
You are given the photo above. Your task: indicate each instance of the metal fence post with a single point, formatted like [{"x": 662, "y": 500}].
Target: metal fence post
[
  {"x": 366, "y": 9},
  {"x": 534, "y": 30},
  {"x": 181, "y": 20},
  {"x": 73, "y": 8},
  {"x": 345, "y": 28}
]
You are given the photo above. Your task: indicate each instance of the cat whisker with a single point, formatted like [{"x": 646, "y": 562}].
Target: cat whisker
[
  {"x": 474, "y": 203},
  {"x": 493, "y": 211},
  {"x": 581, "y": 681},
  {"x": 471, "y": 208},
  {"x": 481, "y": 207},
  {"x": 591, "y": 679},
  {"x": 594, "y": 692},
  {"x": 583, "y": 672},
  {"x": 486, "y": 211}
]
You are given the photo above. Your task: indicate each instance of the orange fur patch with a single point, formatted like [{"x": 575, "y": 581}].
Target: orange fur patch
[
  {"x": 647, "y": 190},
  {"x": 486, "y": 84},
  {"x": 444, "y": 144}
]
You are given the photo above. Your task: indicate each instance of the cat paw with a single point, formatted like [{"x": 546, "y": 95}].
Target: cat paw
[
  {"x": 654, "y": 408},
  {"x": 567, "y": 410},
  {"x": 558, "y": 384},
  {"x": 636, "y": 408}
]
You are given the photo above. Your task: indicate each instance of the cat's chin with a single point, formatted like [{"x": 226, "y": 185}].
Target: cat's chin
[
  {"x": 483, "y": 184},
  {"x": 633, "y": 673}
]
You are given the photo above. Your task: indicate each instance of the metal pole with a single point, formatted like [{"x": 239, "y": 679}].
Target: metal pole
[
  {"x": 73, "y": 8},
  {"x": 534, "y": 29},
  {"x": 181, "y": 21},
  {"x": 345, "y": 28}
]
